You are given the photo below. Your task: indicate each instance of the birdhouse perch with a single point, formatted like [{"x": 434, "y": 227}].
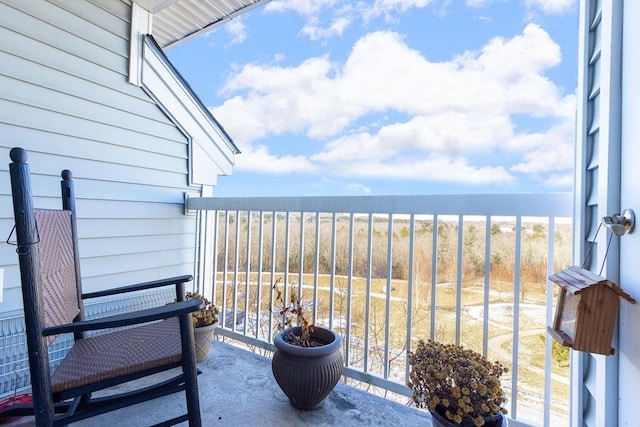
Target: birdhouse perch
[{"x": 586, "y": 311}]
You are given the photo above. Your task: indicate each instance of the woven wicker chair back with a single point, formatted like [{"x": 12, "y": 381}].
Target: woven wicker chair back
[{"x": 57, "y": 267}]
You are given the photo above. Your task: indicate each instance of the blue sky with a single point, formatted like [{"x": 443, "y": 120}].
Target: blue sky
[{"x": 392, "y": 97}]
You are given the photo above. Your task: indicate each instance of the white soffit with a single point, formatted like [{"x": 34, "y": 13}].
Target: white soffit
[{"x": 177, "y": 20}]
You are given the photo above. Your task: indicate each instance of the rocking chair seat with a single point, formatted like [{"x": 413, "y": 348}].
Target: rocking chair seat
[{"x": 116, "y": 354}]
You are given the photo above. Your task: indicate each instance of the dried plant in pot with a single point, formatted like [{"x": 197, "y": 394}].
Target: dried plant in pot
[
  {"x": 307, "y": 363},
  {"x": 205, "y": 322},
  {"x": 460, "y": 387}
]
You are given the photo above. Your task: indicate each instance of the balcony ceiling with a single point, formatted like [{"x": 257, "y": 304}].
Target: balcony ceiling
[{"x": 177, "y": 20}]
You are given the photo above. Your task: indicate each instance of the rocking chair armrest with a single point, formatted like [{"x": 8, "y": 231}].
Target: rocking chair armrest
[
  {"x": 140, "y": 286},
  {"x": 127, "y": 319}
]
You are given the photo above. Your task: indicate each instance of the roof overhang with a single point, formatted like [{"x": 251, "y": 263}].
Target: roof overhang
[
  {"x": 175, "y": 21},
  {"x": 157, "y": 25}
]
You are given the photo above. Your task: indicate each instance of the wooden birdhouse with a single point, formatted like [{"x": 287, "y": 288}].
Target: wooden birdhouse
[{"x": 587, "y": 310}]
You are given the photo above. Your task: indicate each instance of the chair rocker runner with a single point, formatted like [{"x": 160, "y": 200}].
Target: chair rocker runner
[{"x": 154, "y": 340}]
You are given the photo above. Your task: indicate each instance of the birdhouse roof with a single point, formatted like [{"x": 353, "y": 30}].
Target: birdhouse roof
[{"x": 577, "y": 279}]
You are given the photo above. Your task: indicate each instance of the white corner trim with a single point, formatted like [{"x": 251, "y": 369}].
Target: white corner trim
[{"x": 141, "y": 25}]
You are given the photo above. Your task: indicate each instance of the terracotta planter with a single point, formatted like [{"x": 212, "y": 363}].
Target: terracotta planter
[
  {"x": 202, "y": 337},
  {"x": 308, "y": 374},
  {"x": 438, "y": 419}
]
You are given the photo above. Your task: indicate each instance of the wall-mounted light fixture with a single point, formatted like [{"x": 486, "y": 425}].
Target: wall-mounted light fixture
[{"x": 620, "y": 224}]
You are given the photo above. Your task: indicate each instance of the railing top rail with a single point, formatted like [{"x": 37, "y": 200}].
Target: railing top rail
[{"x": 522, "y": 204}]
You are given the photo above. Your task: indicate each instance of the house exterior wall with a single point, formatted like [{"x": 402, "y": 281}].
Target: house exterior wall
[
  {"x": 604, "y": 388},
  {"x": 66, "y": 99},
  {"x": 629, "y": 337}
]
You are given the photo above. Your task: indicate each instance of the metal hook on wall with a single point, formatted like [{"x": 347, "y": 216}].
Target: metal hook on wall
[{"x": 620, "y": 224}]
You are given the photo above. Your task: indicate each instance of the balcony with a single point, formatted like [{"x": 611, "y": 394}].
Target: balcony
[
  {"x": 384, "y": 272},
  {"x": 388, "y": 271}
]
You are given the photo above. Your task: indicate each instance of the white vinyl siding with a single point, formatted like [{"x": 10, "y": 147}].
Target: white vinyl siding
[{"x": 65, "y": 98}]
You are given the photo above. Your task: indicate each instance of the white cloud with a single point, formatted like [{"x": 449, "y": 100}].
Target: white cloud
[
  {"x": 330, "y": 18},
  {"x": 309, "y": 8},
  {"x": 523, "y": 55},
  {"x": 552, "y": 7},
  {"x": 245, "y": 124},
  {"x": 389, "y": 111},
  {"x": 388, "y": 8},
  {"x": 302, "y": 7},
  {"x": 358, "y": 188},
  {"x": 260, "y": 160},
  {"x": 316, "y": 32},
  {"x": 434, "y": 169},
  {"x": 236, "y": 30},
  {"x": 402, "y": 5},
  {"x": 350, "y": 187},
  {"x": 560, "y": 180},
  {"x": 549, "y": 151},
  {"x": 477, "y": 3},
  {"x": 283, "y": 99},
  {"x": 437, "y": 133}
]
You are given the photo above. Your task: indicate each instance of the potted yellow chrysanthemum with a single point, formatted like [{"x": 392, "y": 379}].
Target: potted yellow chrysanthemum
[
  {"x": 460, "y": 387},
  {"x": 205, "y": 322}
]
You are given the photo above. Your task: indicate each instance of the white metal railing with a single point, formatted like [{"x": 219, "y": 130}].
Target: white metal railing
[{"x": 386, "y": 271}]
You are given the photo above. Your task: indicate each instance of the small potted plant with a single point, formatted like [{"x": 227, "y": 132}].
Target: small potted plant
[
  {"x": 307, "y": 363},
  {"x": 205, "y": 322},
  {"x": 460, "y": 387},
  {"x": 292, "y": 322}
]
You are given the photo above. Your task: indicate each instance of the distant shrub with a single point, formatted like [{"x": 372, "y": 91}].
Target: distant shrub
[{"x": 559, "y": 353}]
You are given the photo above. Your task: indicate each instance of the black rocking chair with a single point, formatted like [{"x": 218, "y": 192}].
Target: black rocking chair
[{"x": 162, "y": 338}]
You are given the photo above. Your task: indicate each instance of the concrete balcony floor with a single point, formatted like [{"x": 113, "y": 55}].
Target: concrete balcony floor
[{"x": 237, "y": 388}]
